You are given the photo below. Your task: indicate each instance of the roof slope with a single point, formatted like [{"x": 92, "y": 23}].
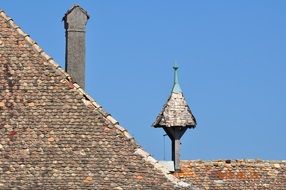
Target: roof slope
[
  {"x": 54, "y": 136},
  {"x": 235, "y": 174}
]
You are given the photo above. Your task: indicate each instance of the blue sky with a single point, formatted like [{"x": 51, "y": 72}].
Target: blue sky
[{"x": 232, "y": 58}]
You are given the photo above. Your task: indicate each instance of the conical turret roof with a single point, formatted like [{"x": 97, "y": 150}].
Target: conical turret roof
[{"x": 176, "y": 112}]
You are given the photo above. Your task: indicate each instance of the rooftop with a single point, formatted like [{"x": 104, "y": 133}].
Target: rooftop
[
  {"x": 53, "y": 135},
  {"x": 234, "y": 174}
]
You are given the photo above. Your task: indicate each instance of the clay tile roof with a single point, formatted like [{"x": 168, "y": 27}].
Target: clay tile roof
[
  {"x": 234, "y": 174},
  {"x": 176, "y": 111},
  {"x": 55, "y": 136}
]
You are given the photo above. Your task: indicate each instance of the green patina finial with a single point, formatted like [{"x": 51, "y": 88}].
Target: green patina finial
[{"x": 176, "y": 87}]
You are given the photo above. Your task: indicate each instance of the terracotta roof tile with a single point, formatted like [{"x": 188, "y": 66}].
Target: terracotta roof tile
[
  {"x": 234, "y": 174},
  {"x": 55, "y": 136}
]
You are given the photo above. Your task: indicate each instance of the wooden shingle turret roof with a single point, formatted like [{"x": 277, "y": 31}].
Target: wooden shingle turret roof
[
  {"x": 53, "y": 135},
  {"x": 176, "y": 111}
]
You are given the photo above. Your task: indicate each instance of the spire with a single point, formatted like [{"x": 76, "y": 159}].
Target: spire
[
  {"x": 175, "y": 118},
  {"x": 176, "y": 112},
  {"x": 176, "y": 87}
]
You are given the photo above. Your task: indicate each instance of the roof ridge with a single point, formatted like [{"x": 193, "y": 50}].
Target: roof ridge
[{"x": 91, "y": 103}]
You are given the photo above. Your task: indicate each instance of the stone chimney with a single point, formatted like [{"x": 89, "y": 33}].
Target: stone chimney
[{"x": 75, "y": 20}]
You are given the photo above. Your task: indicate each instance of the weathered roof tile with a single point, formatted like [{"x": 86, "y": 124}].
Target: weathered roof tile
[
  {"x": 49, "y": 136},
  {"x": 234, "y": 174}
]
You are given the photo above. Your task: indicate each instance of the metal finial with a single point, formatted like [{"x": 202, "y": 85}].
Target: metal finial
[
  {"x": 176, "y": 87},
  {"x": 175, "y": 67}
]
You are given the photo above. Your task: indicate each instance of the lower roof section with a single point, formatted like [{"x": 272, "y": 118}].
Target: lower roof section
[{"x": 234, "y": 174}]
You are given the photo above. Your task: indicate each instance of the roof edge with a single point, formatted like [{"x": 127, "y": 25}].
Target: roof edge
[
  {"x": 167, "y": 126},
  {"x": 148, "y": 158},
  {"x": 91, "y": 103}
]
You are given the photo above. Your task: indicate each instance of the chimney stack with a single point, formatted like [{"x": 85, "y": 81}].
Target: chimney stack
[{"x": 75, "y": 20}]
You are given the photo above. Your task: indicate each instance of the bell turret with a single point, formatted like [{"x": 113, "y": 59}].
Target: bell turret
[{"x": 175, "y": 118}]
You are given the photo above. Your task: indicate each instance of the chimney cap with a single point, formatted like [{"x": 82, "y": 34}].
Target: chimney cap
[{"x": 74, "y": 7}]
